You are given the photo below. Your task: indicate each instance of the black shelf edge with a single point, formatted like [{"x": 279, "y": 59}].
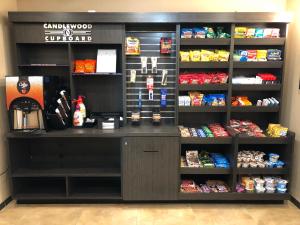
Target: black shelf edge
[
  {"x": 96, "y": 196},
  {"x": 205, "y": 41},
  {"x": 259, "y": 41},
  {"x": 195, "y": 65},
  {"x": 95, "y": 74},
  {"x": 199, "y": 140},
  {"x": 188, "y": 170},
  {"x": 43, "y": 65},
  {"x": 40, "y": 196},
  {"x": 203, "y": 87},
  {"x": 234, "y": 196},
  {"x": 256, "y": 87},
  {"x": 263, "y": 140},
  {"x": 63, "y": 172},
  {"x": 215, "y": 109},
  {"x": 267, "y": 64},
  {"x": 273, "y": 171},
  {"x": 255, "y": 109}
]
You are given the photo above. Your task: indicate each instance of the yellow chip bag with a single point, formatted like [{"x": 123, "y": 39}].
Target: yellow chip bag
[
  {"x": 206, "y": 55},
  {"x": 240, "y": 32},
  {"x": 195, "y": 56},
  {"x": 261, "y": 55},
  {"x": 223, "y": 55},
  {"x": 184, "y": 56}
]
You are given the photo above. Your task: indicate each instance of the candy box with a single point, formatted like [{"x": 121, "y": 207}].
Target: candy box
[
  {"x": 250, "y": 33},
  {"x": 240, "y": 32},
  {"x": 267, "y": 33},
  {"x": 259, "y": 32},
  {"x": 274, "y": 55},
  {"x": 275, "y": 33}
]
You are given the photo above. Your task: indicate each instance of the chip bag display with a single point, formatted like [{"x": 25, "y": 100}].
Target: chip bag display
[{"x": 132, "y": 46}]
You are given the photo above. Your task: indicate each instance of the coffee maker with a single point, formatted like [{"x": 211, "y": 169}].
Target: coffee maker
[{"x": 31, "y": 101}]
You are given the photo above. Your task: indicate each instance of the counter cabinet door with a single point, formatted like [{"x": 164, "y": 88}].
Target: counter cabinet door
[{"x": 150, "y": 168}]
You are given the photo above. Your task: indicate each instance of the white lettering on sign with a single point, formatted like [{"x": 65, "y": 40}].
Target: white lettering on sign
[{"x": 68, "y": 32}]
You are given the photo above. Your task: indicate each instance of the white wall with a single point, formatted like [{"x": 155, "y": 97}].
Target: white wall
[
  {"x": 153, "y": 5},
  {"x": 5, "y": 68},
  {"x": 292, "y": 94}
]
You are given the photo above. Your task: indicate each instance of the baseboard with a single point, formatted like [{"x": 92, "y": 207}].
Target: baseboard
[
  {"x": 295, "y": 202},
  {"x": 5, "y": 203}
]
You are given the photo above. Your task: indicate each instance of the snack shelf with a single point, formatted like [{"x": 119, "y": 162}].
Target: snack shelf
[
  {"x": 195, "y": 65},
  {"x": 64, "y": 172},
  {"x": 234, "y": 196},
  {"x": 43, "y": 65},
  {"x": 262, "y": 171},
  {"x": 202, "y": 109},
  {"x": 259, "y": 65},
  {"x": 259, "y": 41},
  {"x": 95, "y": 74},
  {"x": 262, "y": 140},
  {"x": 255, "y": 109},
  {"x": 189, "y": 170},
  {"x": 205, "y": 41},
  {"x": 203, "y": 87},
  {"x": 256, "y": 87},
  {"x": 207, "y": 140}
]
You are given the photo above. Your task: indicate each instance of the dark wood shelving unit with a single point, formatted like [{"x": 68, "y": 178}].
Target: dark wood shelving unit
[
  {"x": 203, "y": 87},
  {"x": 256, "y": 87},
  {"x": 259, "y": 65},
  {"x": 202, "y": 109},
  {"x": 187, "y": 170},
  {"x": 255, "y": 109},
  {"x": 198, "y": 65},
  {"x": 262, "y": 171},
  {"x": 260, "y": 41},
  {"x": 140, "y": 163},
  {"x": 204, "y": 41}
]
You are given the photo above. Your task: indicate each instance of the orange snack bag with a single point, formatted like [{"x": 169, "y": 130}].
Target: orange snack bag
[
  {"x": 79, "y": 66},
  {"x": 90, "y": 66}
]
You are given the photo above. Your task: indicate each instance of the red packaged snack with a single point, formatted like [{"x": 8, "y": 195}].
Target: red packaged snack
[
  {"x": 79, "y": 66},
  {"x": 251, "y": 55},
  {"x": 165, "y": 45},
  {"x": 90, "y": 66}
]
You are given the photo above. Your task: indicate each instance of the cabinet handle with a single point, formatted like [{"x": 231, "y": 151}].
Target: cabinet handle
[{"x": 151, "y": 151}]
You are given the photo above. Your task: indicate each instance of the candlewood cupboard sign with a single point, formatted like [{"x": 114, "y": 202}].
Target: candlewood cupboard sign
[{"x": 68, "y": 32}]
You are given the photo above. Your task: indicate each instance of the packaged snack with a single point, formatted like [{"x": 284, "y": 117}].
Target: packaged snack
[
  {"x": 210, "y": 33},
  {"x": 250, "y": 33},
  {"x": 165, "y": 45},
  {"x": 267, "y": 33},
  {"x": 261, "y": 55},
  {"x": 186, "y": 33},
  {"x": 196, "y": 98},
  {"x": 221, "y": 33},
  {"x": 240, "y": 32},
  {"x": 79, "y": 66},
  {"x": 223, "y": 56},
  {"x": 184, "y": 56},
  {"x": 90, "y": 66},
  {"x": 275, "y": 33},
  {"x": 132, "y": 46},
  {"x": 259, "y": 32},
  {"x": 273, "y": 157},
  {"x": 274, "y": 54},
  {"x": 195, "y": 56},
  {"x": 243, "y": 55},
  {"x": 199, "y": 32},
  {"x": 206, "y": 55},
  {"x": 251, "y": 55},
  {"x": 192, "y": 158}
]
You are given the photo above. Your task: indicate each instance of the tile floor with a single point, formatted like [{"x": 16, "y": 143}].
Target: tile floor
[{"x": 150, "y": 214}]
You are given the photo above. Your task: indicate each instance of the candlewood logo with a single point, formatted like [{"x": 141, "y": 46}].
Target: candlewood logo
[{"x": 67, "y": 32}]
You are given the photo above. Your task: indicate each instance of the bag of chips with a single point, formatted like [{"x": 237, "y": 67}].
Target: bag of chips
[
  {"x": 186, "y": 33},
  {"x": 79, "y": 66},
  {"x": 132, "y": 46},
  {"x": 195, "y": 56},
  {"x": 90, "y": 66},
  {"x": 184, "y": 56}
]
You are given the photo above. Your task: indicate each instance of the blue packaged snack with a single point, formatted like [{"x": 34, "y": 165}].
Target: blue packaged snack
[
  {"x": 199, "y": 32},
  {"x": 274, "y": 55},
  {"x": 201, "y": 133},
  {"x": 186, "y": 33},
  {"x": 259, "y": 33},
  {"x": 163, "y": 97},
  {"x": 244, "y": 55},
  {"x": 281, "y": 184}
]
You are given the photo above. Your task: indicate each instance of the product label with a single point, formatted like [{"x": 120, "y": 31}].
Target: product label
[{"x": 68, "y": 32}]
